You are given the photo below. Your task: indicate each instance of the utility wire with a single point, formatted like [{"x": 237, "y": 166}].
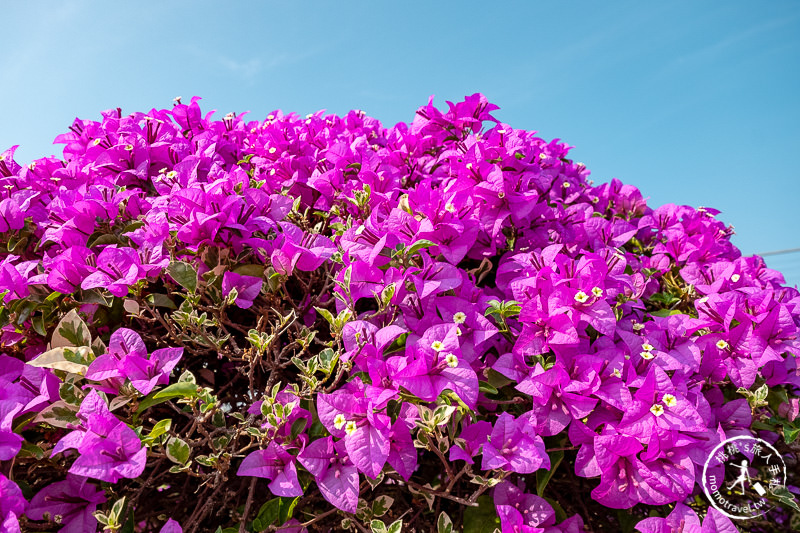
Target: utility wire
[{"x": 781, "y": 252}]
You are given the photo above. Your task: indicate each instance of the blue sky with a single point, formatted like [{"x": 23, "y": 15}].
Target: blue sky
[{"x": 693, "y": 102}]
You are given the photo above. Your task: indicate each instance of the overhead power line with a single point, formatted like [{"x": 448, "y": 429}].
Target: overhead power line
[{"x": 780, "y": 252}]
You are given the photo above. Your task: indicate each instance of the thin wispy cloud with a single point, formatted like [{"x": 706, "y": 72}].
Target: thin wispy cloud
[{"x": 708, "y": 54}]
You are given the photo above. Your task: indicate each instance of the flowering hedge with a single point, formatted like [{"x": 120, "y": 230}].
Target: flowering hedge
[{"x": 315, "y": 324}]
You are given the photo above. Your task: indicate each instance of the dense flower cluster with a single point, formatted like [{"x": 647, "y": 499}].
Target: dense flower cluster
[{"x": 437, "y": 324}]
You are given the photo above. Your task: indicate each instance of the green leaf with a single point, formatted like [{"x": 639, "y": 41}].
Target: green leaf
[
  {"x": 396, "y": 526},
  {"x": 37, "y": 323},
  {"x": 483, "y": 518},
  {"x": 761, "y": 393},
  {"x": 419, "y": 245},
  {"x": 268, "y": 514},
  {"x": 160, "y": 300},
  {"x": 256, "y": 271},
  {"x": 444, "y": 524},
  {"x": 297, "y": 427},
  {"x": 387, "y": 293},
  {"x": 177, "y": 451},
  {"x": 161, "y": 427},
  {"x": 30, "y": 450},
  {"x": 666, "y": 312},
  {"x": 381, "y": 505},
  {"x": 184, "y": 275},
  {"x": 377, "y": 526},
  {"x": 486, "y": 387},
  {"x": 181, "y": 389},
  {"x": 287, "y": 508},
  {"x": 71, "y": 393},
  {"x": 59, "y": 414},
  {"x": 542, "y": 477},
  {"x": 71, "y": 331},
  {"x": 129, "y": 522},
  {"x": 64, "y": 358},
  {"x": 327, "y": 315},
  {"x": 117, "y": 509},
  {"x": 790, "y": 434},
  {"x": 785, "y": 497}
]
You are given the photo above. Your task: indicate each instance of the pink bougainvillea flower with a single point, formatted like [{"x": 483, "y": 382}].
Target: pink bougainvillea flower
[
  {"x": 335, "y": 474},
  {"x": 73, "y": 501},
  {"x": 275, "y": 464},
  {"x": 247, "y": 288}
]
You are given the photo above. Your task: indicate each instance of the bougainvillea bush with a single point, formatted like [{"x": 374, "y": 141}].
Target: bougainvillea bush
[{"x": 322, "y": 324}]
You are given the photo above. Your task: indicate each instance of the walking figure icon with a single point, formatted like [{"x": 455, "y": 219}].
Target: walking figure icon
[{"x": 744, "y": 475}]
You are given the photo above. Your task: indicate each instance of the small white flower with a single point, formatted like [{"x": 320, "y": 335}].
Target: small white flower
[
  {"x": 437, "y": 345},
  {"x": 670, "y": 400},
  {"x": 97, "y": 141},
  {"x": 597, "y": 291},
  {"x": 171, "y": 174},
  {"x": 566, "y": 185},
  {"x": 735, "y": 278},
  {"x": 272, "y": 150},
  {"x": 452, "y": 360},
  {"x": 722, "y": 345},
  {"x": 581, "y": 297},
  {"x": 543, "y": 156},
  {"x": 617, "y": 373},
  {"x": 657, "y": 409},
  {"x": 450, "y": 207},
  {"x": 637, "y": 326},
  {"x": 459, "y": 317},
  {"x": 469, "y": 166},
  {"x": 647, "y": 355},
  {"x": 339, "y": 421},
  {"x": 350, "y": 427},
  {"x": 270, "y": 117},
  {"x": 647, "y": 347}
]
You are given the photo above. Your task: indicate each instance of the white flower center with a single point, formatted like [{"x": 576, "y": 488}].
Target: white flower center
[
  {"x": 735, "y": 278},
  {"x": 722, "y": 345},
  {"x": 581, "y": 297},
  {"x": 350, "y": 427},
  {"x": 657, "y": 409},
  {"x": 437, "y": 345},
  {"x": 459, "y": 318},
  {"x": 452, "y": 360},
  {"x": 597, "y": 291},
  {"x": 670, "y": 400},
  {"x": 339, "y": 421}
]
